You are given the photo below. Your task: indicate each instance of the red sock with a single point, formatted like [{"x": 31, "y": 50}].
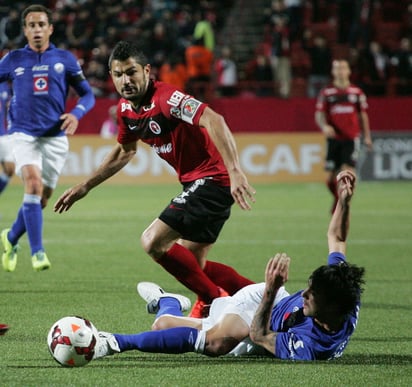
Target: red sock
[
  {"x": 182, "y": 264},
  {"x": 226, "y": 277}
]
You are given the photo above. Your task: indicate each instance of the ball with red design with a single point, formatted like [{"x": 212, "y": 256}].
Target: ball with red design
[{"x": 72, "y": 340}]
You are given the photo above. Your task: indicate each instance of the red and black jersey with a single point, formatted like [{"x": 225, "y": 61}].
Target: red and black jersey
[
  {"x": 342, "y": 108},
  {"x": 168, "y": 120}
]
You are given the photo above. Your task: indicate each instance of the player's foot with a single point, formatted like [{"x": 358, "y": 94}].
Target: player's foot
[
  {"x": 106, "y": 345},
  {"x": 9, "y": 257},
  {"x": 40, "y": 261},
  {"x": 201, "y": 308},
  {"x": 3, "y": 329},
  {"x": 152, "y": 293}
]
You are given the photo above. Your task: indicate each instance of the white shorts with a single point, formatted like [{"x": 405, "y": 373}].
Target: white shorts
[
  {"x": 244, "y": 303},
  {"x": 6, "y": 154},
  {"x": 47, "y": 153}
]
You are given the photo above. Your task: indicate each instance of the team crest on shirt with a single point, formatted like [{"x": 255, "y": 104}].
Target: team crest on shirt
[
  {"x": 352, "y": 98},
  {"x": 40, "y": 84},
  {"x": 155, "y": 127},
  {"x": 59, "y": 67}
]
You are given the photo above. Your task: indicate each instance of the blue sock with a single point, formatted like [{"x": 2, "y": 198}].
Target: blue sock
[
  {"x": 4, "y": 180},
  {"x": 172, "y": 340},
  {"x": 169, "y": 305},
  {"x": 18, "y": 228},
  {"x": 33, "y": 219}
]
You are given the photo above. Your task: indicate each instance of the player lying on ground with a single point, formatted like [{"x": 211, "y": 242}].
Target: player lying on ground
[{"x": 314, "y": 324}]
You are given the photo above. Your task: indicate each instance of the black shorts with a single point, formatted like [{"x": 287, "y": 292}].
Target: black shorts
[
  {"x": 200, "y": 211},
  {"x": 340, "y": 152}
]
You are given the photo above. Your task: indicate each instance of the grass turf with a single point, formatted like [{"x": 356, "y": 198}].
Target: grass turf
[{"x": 97, "y": 261}]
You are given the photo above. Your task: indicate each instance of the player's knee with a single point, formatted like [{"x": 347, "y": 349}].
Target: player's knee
[
  {"x": 220, "y": 346},
  {"x": 162, "y": 322},
  {"x": 151, "y": 245},
  {"x": 33, "y": 185}
]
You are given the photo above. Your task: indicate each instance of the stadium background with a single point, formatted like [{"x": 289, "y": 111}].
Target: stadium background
[{"x": 277, "y": 137}]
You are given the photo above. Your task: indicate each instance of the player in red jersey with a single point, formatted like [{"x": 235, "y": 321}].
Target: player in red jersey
[
  {"x": 197, "y": 143},
  {"x": 341, "y": 114}
]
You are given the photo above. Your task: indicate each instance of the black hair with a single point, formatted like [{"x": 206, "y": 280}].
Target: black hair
[
  {"x": 338, "y": 285},
  {"x": 124, "y": 50},
  {"x": 36, "y": 8}
]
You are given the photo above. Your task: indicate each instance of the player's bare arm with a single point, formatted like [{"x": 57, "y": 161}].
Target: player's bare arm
[
  {"x": 367, "y": 139},
  {"x": 119, "y": 156},
  {"x": 326, "y": 129},
  {"x": 276, "y": 275},
  {"x": 223, "y": 139},
  {"x": 339, "y": 224}
]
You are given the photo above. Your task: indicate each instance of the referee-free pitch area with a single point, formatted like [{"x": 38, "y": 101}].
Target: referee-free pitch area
[{"x": 97, "y": 261}]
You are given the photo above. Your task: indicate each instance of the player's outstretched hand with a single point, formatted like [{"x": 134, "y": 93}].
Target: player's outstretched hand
[
  {"x": 277, "y": 271},
  {"x": 346, "y": 185},
  {"x": 243, "y": 193},
  {"x": 69, "y": 197}
]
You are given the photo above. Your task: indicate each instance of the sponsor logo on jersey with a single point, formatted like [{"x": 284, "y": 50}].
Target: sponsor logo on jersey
[
  {"x": 125, "y": 106},
  {"x": 149, "y": 107},
  {"x": 132, "y": 127},
  {"x": 155, "y": 127},
  {"x": 40, "y": 68},
  {"x": 342, "y": 109},
  {"x": 176, "y": 98},
  {"x": 165, "y": 148},
  {"x": 40, "y": 84}
]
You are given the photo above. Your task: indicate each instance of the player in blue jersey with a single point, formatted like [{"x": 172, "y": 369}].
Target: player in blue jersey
[
  {"x": 6, "y": 157},
  {"x": 41, "y": 75},
  {"x": 313, "y": 324}
]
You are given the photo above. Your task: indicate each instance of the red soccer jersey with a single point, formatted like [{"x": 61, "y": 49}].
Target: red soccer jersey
[
  {"x": 168, "y": 120},
  {"x": 342, "y": 108}
]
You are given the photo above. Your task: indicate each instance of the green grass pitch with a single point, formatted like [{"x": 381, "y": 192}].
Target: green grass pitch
[{"x": 97, "y": 261}]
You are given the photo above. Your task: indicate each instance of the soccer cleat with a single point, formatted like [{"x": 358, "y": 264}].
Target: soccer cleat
[
  {"x": 201, "y": 309},
  {"x": 40, "y": 261},
  {"x": 106, "y": 345},
  {"x": 3, "y": 329},
  {"x": 9, "y": 257},
  {"x": 152, "y": 293}
]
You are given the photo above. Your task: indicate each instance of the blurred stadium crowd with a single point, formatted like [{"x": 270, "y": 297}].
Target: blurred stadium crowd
[{"x": 184, "y": 44}]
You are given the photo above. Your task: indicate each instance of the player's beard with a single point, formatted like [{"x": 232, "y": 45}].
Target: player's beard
[{"x": 137, "y": 96}]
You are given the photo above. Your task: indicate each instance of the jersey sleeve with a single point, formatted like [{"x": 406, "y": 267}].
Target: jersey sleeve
[
  {"x": 77, "y": 80},
  {"x": 5, "y": 68},
  {"x": 336, "y": 258},
  {"x": 292, "y": 346},
  {"x": 363, "y": 103},
  {"x": 184, "y": 107},
  {"x": 321, "y": 102}
]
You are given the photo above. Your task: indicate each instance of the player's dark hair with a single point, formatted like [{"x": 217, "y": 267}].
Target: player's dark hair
[
  {"x": 36, "y": 8},
  {"x": 124, "y": 50},
  {"x": 338, "y": 285}
]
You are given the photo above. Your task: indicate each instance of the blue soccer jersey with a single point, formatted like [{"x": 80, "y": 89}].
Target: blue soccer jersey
[
  {"x": 303, "y": 339},
  {"x": 41, "y": 84},
  {"x": 5, "y": 94}
]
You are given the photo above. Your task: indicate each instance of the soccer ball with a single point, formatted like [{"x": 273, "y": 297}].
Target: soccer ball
[{"x": 72, "y": 340}]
